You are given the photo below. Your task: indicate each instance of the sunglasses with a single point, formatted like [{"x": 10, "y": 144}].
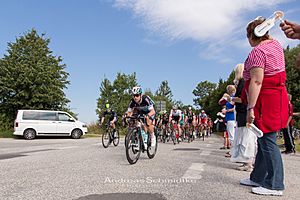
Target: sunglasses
[{"x": 136, "y": 95}]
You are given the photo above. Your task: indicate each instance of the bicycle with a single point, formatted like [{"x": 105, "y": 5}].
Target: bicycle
[
  {"x": 190, "y": 129},
  {"x": 109, "y": 136},
  {"x": 174, "y": 132},
  {"x": 203, "y": 131},
  {"x": 134, "y": 142}
]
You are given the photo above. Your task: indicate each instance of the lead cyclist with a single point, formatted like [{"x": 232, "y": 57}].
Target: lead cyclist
[{"x": 143, "y": 105}]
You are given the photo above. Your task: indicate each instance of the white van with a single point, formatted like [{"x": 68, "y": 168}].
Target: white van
[{"x": 32, "y": 123}]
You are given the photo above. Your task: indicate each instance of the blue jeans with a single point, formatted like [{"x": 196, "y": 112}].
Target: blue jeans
[{"x": 268, "y": 167}]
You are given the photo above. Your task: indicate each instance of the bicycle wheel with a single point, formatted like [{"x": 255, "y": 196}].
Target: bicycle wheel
[
  {"x": 203, "y": 134},
  {"x": 116, "y": 138},
  {"x": 151, "y": 151},
  {"x": 133, "y": 146},
  {"x": 173, "y": 136},
  {"x": 106, "y": 138}
]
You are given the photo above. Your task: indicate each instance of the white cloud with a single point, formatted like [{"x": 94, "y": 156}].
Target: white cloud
[{"x": 218, "y": 24}]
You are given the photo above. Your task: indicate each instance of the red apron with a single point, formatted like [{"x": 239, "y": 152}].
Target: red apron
[{"x": 271, "y": 109}]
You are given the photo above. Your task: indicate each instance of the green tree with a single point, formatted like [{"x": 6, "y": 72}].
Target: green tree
[
  {"x": 164, "y": 90},
  {"x": 31, "y": 77},
  {"x": 118, "y": 93},
  {"x": 203, "y": 89},
  {"x": 293, "y": 75}
]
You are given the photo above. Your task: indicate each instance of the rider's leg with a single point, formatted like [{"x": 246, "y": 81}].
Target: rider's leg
[{"x": 151, "y": 131}]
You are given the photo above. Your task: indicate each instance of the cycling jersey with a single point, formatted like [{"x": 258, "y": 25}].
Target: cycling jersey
[
  {"x": 165, "y": 119},
  {"x": 175, "y": 115},
  {"x": 190, "y": 117},
  {"x": 112, "y": 114},
  {"x": 144, "y": 107},
  {"x": 203, "y": 118}
]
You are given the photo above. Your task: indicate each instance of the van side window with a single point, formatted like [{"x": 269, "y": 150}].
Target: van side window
[
  {"x": 51, "y": 116},
  {"x": 63, "y": 117},
  {"x": 28, "y": 115}
]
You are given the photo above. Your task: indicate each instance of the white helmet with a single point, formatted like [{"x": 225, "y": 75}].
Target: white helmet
[{"x": 136, "y": 90}]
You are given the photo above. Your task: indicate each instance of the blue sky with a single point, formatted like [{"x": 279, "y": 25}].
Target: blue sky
[{"x": 184, "y": 42}]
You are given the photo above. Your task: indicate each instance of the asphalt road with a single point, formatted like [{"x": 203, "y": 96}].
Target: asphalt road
[{"x": 63, "y": 168}]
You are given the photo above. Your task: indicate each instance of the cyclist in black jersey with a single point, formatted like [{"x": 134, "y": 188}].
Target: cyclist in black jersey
[
  {"x": 143, "y": 104},
  {"x": 113, "y": 117},
  {"x": 191, "y": 119}
]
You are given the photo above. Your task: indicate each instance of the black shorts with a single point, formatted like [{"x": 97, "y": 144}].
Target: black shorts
[
  {"x": 176, "y": 119},
  {"x": 165, "y": 122}
]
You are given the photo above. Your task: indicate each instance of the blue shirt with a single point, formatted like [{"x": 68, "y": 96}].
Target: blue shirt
[{"x": 229, "y": 115}]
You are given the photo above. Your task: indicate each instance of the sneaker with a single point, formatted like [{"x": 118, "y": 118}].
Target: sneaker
[
  {"x": 265, "y": 191},
  {"x": 153, "y": 141},
  {"x": 223, "y": 148},
  {"x": 248, "y": 182}
]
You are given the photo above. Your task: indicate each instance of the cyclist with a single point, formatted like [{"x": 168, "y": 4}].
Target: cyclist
[
  {"x": 113, "y": 117},
  {"x": 175, "y": 114},
  {"x": 190, "y": 119},
  {"x": 143, "y": 104},
  {"x": 181, "y": 122},
  {"x": 202, "y": 121}
]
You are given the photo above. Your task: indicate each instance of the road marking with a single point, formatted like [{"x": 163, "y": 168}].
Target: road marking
[
  {"x": 194, "y": 171},
  {"x": 70, "y": 147},
  {"x": 205, "y": 153}
]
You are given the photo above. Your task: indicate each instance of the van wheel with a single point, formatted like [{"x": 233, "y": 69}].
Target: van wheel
[
  {"x": 29, "y": 134},
  {"x": 76, "y": 134}
]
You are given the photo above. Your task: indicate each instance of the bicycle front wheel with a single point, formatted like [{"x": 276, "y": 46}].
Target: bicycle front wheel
[
  {"x": 151, "y": 150},
  {"x": 106, "y": 138},
  {"x": 133, "y": 146},
  {"x": 116, "y": 138}
]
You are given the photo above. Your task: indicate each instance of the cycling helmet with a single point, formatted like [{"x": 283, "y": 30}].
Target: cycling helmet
[
  {"x": 164, "y": 112},
  {"x": 136, "y": 90},
  {"x": 190, "y": 108},
  {"x": 107, "y": 105},
  {"x": 174, "y": 107}
]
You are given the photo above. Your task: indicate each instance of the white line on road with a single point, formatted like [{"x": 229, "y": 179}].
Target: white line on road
[
  {"x": 205, "y": 153},
  {"x": 194, "y": 171},
  {"x": 70, "y": 147}
]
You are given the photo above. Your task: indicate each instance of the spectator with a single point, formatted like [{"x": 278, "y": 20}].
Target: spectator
[
  {"x": 292, "y": 31},
  {"x": 287, "y": 131},
  {"x": 222, "y": 127},
  {"x": 267, "y": 108},
  {"x": 229, "y": 118},
  {"x": 244, "y": 145}
]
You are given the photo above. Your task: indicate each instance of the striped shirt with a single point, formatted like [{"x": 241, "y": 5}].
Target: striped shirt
[{"x": 269, "y": 56}]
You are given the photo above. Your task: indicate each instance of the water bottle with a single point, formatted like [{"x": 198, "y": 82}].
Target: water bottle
[{"x": 144, "y": 135}]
